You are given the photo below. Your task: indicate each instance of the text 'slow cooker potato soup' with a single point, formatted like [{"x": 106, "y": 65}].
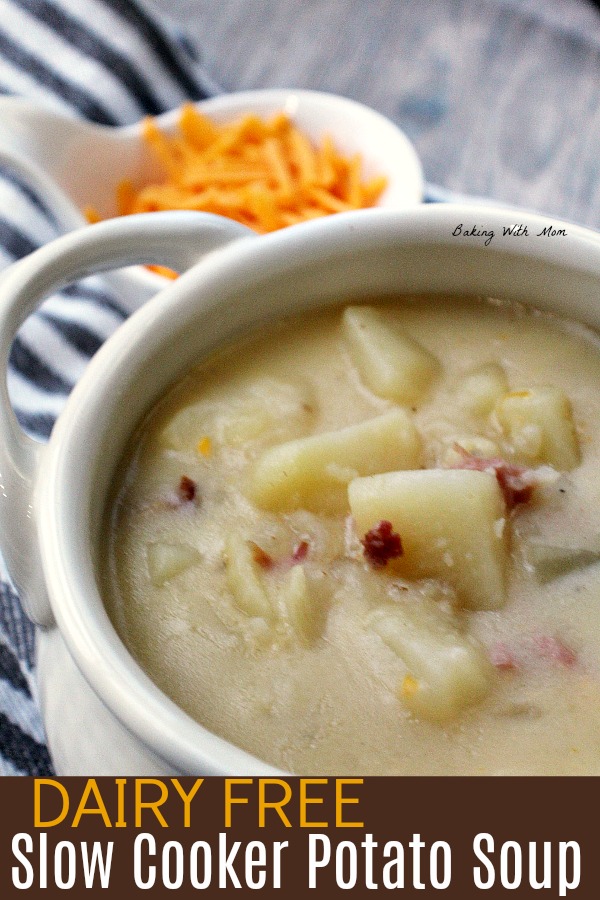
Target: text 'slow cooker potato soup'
[{"x": 367, "y": 541}]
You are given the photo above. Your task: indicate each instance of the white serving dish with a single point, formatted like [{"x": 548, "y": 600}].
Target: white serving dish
[
  {"x": 74, "y": 164},
  {"x": 103, "y": 715}
]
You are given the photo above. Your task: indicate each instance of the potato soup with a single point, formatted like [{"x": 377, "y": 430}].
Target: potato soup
[{"x": 366, "y": 541}]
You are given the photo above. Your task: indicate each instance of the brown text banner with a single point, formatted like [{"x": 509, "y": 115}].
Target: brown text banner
[{"x": 298, "y": 837}]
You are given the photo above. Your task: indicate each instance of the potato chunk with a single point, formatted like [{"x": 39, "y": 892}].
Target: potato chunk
[
  {"x": 390, "y": 362},
  {"x": 550, "y": 562},
  {"x": 313, "y": 472},
  {"x": 243, "y": 579},
  {"x": 447, "y": 670},
  {"x": 539, "y": 425},
  {"x": 480, "y": 389},
  {"x": 270, "y": 411},
  {"x": 166, "y": 561},
  {"x": 262, "y": 412},
  {"x": 451, "y": 523},
  {"x": 300, "y": 604}
]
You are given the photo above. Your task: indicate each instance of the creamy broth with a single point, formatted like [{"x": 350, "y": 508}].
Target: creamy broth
[{"x": 259, "y": 613}]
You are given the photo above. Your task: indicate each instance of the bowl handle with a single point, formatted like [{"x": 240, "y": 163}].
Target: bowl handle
[{"x": 175, "y": 239}]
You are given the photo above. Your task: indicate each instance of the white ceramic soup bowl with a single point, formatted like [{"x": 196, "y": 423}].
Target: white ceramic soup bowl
[{"x": 103, "y": 714}]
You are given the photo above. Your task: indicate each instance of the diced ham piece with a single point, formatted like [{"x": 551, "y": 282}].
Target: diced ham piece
[
  {"x": 530, "y": 652},
  {"x": 516, "y": 482},
  {"x": 260, "y": 556},
  {"x": 186, "y": 492},
  {"x": 503, "y": 658},
  {"x": 300, "y": 552},
  {"x": 554, "y": 650},
  {"x": 381, "y": 544}
]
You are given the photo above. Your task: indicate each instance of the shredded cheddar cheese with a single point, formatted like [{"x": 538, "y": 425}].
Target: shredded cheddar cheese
[
  {"x": 164, "y": 271},
  {"x": 265, "y": 174},
  {"x": 410, "y": 686},
  {"x": 92, "y": 215},
  {"x": 205, "y": 446}
]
